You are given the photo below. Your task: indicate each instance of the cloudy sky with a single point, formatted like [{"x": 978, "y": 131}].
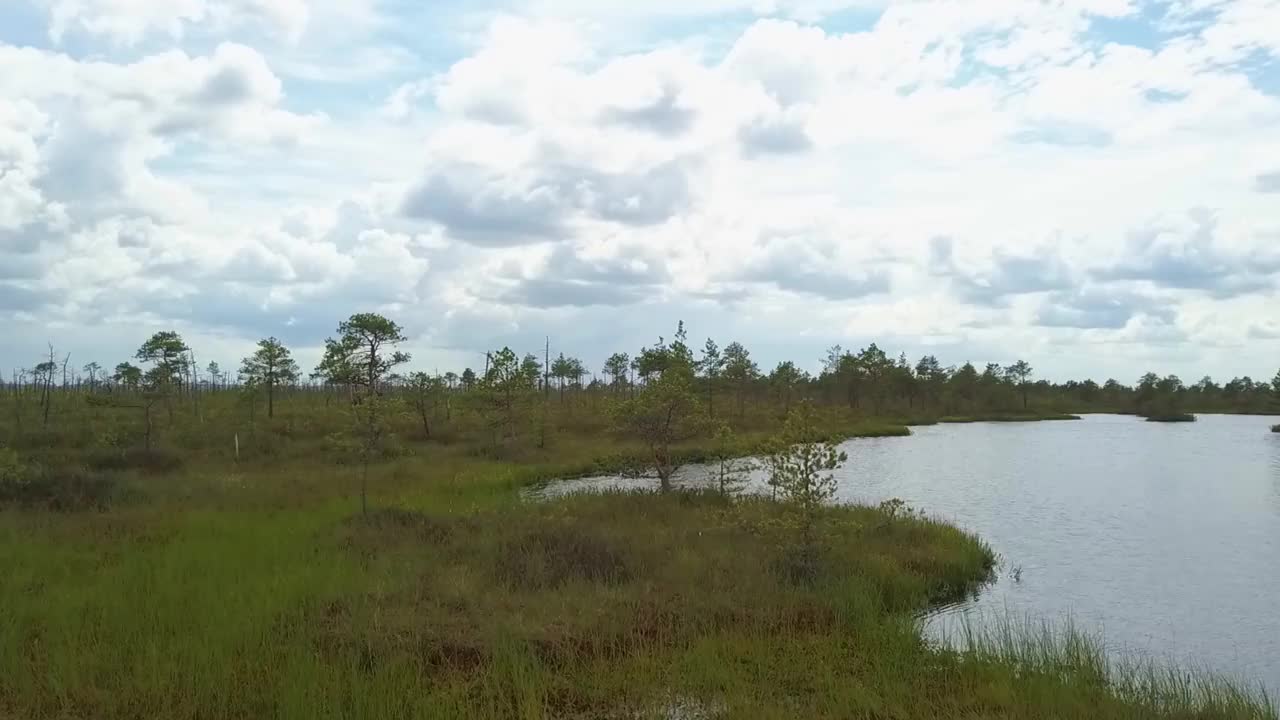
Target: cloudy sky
[{"x": 1092, "y": 185}]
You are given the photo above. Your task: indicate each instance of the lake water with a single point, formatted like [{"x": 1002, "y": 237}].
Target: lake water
[{"x": 1164, "y": 538}]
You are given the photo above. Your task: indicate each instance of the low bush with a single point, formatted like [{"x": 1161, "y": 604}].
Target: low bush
[
  {"x": 392, "y": 524},
  {"x": 58, "y": 489},
  {"x": 158, "y": 461},
  {"x": 346, "y": 449},
  {"x": 799, "y": 565},
  {"x": 553, "y": 556},
  {"x": 12, "y": 469}
]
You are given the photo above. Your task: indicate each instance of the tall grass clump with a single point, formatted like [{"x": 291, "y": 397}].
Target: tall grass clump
[
  {"x": 1060, "y": 660},
  {"x": 61, "y": 488}
]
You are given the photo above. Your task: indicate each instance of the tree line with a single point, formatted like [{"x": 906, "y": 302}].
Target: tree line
[
  {"x": 728, "y": 380},
  {"x": 662, "y": 397}
]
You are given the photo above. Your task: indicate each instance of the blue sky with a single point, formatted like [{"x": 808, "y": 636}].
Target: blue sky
[{"x": 1088, "y": 185}]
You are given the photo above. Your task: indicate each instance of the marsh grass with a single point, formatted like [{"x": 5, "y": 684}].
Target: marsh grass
[
  {"x": 582, "y": 607},
  {"x": 596, "y": 606},
  {"x": 1063, "y": 662},
  {"x": 221, "y": 588}
]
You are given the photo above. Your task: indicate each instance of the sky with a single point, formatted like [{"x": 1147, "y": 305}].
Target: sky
[{"x": 1090, "y": 185}]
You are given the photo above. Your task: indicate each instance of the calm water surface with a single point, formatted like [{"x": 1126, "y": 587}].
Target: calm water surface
[{"x": 1165, "y": 538}]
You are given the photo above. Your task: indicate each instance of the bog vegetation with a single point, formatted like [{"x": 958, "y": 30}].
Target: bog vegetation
[{"x": 186, "y": 541}]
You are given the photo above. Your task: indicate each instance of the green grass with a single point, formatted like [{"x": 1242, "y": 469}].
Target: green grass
[
  {"x": 1073, "y": 670},
  {"x": 573, "y": 608},
  {"x": 584, "y": 607},
  {"x": 215, "y": 588}
]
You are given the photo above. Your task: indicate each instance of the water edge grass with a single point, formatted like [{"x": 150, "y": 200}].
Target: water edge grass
[
  {"x": 1058, "y": 660},
  {"x": 1006, "y": 417},
  {"x": 1171, "y": 418}
]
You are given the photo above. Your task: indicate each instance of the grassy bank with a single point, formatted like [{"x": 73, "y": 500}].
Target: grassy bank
[
  {"x": 1069, "y": 665},
  {"x": 1172, "y": 418},
  {"x": 703, "y": 451},
  {"x": 1007, "y": 417},
  {"x": 585, "y": 607}
]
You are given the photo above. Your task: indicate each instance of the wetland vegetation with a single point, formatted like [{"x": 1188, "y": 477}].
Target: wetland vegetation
[{"x": 195, "y": 543}]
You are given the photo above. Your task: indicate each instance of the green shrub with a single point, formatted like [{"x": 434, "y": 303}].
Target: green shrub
[
  {"x": 799, "y": 564},
  {"x": 389, "y": 524},
  {"x": 159, "y": 461},
  {"x": 553, "y": 556},
  {"x": 346, "y": 449},
  {"x": 897, "y": 509},
  {"x": 59, "y": 489},
  {"x": 12, "y": 469}
]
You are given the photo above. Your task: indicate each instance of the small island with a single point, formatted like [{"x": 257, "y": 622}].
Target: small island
[
  {"x": 1176, "y": 417},
  {"x": 1275, "y": 428},
  {"x": 1161, "y": 399}
]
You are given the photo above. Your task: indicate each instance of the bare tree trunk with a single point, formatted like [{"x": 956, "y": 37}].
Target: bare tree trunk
[
  {"x": 46, "y": 398},
  {"x": 194, "y": 373},
  {"x": 18, "y": 399},
  {"x": 364, "y": 486},
  {"x": 546, "y": 374},
  {"x": 146, "y": 414},
  {"x": 426, "y": 423}
]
